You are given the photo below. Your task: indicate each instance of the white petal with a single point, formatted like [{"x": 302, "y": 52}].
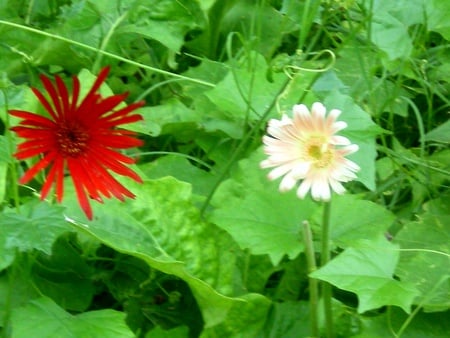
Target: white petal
[
  {"x": 320, "y": 190},
  {"x": 339, "y": 140},
  {"x": 280, "y": 171},
  {"x": 301, "y": 169},
  {"x": 287, "y": 183},
  {"x": 334, "y": 114},
  {"x": 303, "y": 188},
  {"x": 339, "y": 125},
  {"x": 336, "y": 186},
  {"x": 350, "y": 149},
  {"x": 318, "y": 110},
  {"x": 301, "y": 110}
]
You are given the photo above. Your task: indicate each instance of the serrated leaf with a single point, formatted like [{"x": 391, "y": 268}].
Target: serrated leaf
[
  {"x": 36, "y": 227},
  {"x": 162, "y": 227},
  {"x": 43, "y": 318},
  {"x": 368, "y": 270},
  {"x": 257, "y": 215},
  {"x": 426, "y": 263},
  {"x": 353, "y": 219}
]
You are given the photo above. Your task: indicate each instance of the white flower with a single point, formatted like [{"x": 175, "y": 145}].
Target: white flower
[{"x": 307, "y": 149}]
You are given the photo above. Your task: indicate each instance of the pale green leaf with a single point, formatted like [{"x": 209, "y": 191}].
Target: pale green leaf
[
  {"x": 353, "y": 219},
  {"x": 367, "y": 269},
  {"x": 36, "y": 227},
  {"x": 244, "y": 320},
  {"x": 257, "y": 215},
  {"x": 44, "y": 319},
  {"x": 426, "y": 259},
  {"x": 162, "y": 227}
]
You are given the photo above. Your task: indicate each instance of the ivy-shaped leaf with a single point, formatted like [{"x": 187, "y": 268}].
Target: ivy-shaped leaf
[{"x": 368, "y": 270}]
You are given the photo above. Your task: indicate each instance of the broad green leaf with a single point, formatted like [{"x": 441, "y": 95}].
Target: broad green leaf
[
  {"x": 178, "y": 332},
  {"x": 288, "y": 320},
  {"x": 257, "y": 215},
  {"x": 440, "y": 133},
  {"x": 273, "y": 25},
  {"x": 36, "y": 227},
  {"x": 172, "y": 117},
  {"x": 244, "y": 94},
  {"x": 181, "y": 168},
  {"x": 245, "y": 319},
  {"x": 43, "y": 318},
  {"x": 367, "y": 269},
  {"x": 389, "y": 26},
  {"x": 388, "y": 324},
  {"x": 426, "y": 263},
  {"x": 437, "y": 16},
  {"x": 165, "y": 21},
  {"x": 5, "y": 158},
  {"x": 353, "y": 219},
  {"x": 162, "y": 227},
  {"x": 65, "y": 276},
  {"x": 362, "y": 131}
]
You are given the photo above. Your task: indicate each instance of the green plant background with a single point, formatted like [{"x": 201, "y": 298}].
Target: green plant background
[{"x": 209, "y": 247}]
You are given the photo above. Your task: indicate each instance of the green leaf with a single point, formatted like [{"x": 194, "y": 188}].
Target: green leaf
[
  {"x": 388, "y": 324},
  {"x": 36, "y": 227},
  {"x": 390, "y": 23},
  {"x": 162, "y": 227},
  {"x": 172, "y": 117},
  {"x": 257, "y": 215},
  {"x": 426, "y": 263},
  {"x": 362, "y": 131},
  {"x": 288, "y": 320},
  {"x": 65, "y": 276},
  {"x": 245, "y": 319},
  {"x": 243, "y": 95},
  {"x": 178, "y": 332},
  {"x": 165, "y": 21},
  {"x": 179, "y": 167},
  {"x": 437, "y": 18},
  {"x": 353, "y": 219},
  {"x": 367, "y": 269},
  {"x": 43, "y": 318},
  {"x": 440, "y": 133}
]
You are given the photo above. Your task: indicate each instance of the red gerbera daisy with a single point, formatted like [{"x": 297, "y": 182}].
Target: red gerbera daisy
[{"x": 81, "y": 137}]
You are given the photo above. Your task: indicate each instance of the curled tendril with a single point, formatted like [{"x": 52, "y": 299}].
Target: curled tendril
[{"x": 291, "y": 71}]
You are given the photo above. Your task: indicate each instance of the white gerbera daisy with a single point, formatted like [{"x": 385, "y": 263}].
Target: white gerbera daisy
[{"x": 305, "y": 148}]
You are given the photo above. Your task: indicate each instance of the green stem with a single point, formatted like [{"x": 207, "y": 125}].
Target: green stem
[
  {"x": 313, "y": 283},
  {"x": 114, "y": 56},
  {"x": 325, "y": 258}
]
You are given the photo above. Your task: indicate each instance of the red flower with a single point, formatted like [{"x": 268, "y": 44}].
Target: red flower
[{"x": 81, "y": 137}]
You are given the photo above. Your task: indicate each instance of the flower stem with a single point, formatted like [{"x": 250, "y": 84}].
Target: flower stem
[
  {"x": 313, "y": 283},
  {"x": 325, "y": 257}
]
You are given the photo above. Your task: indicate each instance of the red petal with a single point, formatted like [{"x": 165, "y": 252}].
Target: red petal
[
  {"x": 79, "y": 188},
  {"x": 32, "y": 119},
  {"x": 63, "y": 94},
  {"x": 43, "y": 163},
  {"x": 75, "y": 93}
]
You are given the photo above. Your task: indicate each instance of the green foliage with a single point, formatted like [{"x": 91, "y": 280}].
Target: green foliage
[
  {"x": 209, "y": 247},
  {"x": 374, "y": 283}
]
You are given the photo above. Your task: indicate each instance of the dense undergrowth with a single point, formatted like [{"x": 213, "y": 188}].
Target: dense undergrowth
[{"x": 209, "y": 247}]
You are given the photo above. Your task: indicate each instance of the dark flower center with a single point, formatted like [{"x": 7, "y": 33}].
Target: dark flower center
[{"x": 72, "y": 139}]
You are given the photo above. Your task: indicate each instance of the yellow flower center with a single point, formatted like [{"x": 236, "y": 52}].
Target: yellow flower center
[
  {"x": 319, "y": 152},
  {"x": 72, "y": 139}
]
